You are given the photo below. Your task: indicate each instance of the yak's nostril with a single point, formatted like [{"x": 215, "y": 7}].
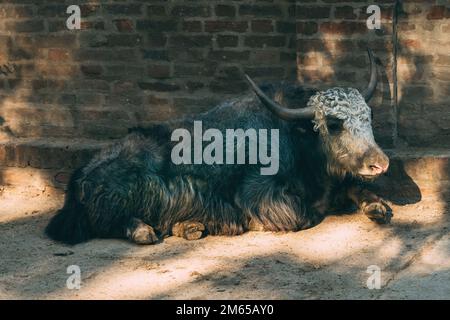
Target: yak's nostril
[{"x": 377, "y": 169}]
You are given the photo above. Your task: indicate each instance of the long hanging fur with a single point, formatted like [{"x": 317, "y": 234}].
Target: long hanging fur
[{"x": 70, "y": 224}]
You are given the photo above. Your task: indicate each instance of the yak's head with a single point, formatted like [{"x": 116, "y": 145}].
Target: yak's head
[{"x": 344, "y": 123}]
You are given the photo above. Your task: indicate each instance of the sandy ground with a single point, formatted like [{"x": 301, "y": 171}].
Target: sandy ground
[{"x": 329, "y": 261}]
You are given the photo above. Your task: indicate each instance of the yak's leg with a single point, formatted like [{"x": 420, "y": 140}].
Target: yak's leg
[
  {"x": 189, "y": 230},
  {"x": 370, "y": 204},
  {"x": 140, "y": 232}
]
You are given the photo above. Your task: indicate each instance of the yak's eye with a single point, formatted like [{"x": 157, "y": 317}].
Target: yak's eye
[{"x": 334, "y": 124}]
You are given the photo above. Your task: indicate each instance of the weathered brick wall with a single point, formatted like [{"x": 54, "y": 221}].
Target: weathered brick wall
[
  {"x": 139, "y": 61},
  {"x": 134, "y": 61}
]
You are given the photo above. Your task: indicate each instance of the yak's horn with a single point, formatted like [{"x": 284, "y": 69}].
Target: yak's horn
[
  {"x": 280, "y": 111},
  {"x": 368, "y": 93}
]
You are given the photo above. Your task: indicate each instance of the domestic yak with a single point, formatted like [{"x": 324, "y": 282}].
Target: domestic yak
[{"x": 134, "y": 190}]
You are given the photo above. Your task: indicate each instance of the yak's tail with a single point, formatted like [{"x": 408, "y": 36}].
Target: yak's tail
[{"x": 70, "y": 225}]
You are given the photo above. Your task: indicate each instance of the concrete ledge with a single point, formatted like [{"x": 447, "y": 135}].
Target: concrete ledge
[
  {"x": 43, "y": 163},
  {"x": 414, "y": 173}
]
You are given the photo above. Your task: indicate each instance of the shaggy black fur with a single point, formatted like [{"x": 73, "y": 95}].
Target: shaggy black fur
[{"x": 137, "y": 179}]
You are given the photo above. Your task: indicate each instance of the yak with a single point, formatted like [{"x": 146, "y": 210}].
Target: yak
[{"x": 133, "y": 190}]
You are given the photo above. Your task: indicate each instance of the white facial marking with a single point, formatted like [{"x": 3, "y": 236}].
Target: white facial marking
[{"x": 345, "y": 104}]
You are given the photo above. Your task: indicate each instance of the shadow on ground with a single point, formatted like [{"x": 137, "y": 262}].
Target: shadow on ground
[{"x": 328, "y": 261}]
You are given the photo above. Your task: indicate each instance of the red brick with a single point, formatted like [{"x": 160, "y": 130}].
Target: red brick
[
  {"x": 220, "y": 26},
  {"x": 193, "y": 86},
  {"x": 410, "y": 43},
  {"x": 342, "y": 28},
  {"x": 157, "y": 39},
  {"x": 313, "y": 12},
  {"x": 229, "y": 56},
  {"x": 53, "y": 10},
  {"x": 124, "y": 25},
  {"x": 123, "y": 9},
  {"x": 262, "y": 26},
  {"x": 192, "y": 26},
  {"x": 156, "y": 10},
  {"x": 123, "y": 40},
  {"x": 158, "y": 71},
  {"x": 201, "y": 70},
  {"x": 286, "y": 27},
  {"x": 273, "y": 72},
  {"x": 227, "y": 41},
  {"x": 265, "y": 41},
  {"x": 436, "y": 12},
  {"x": 229, "y": 73},
  {"x": 306, "y": 45},
  {"x": 225, "y": 10},
  {"x": 91, "y": 70},
  {"x": 88, "y": 9},
  {"x": 260, "y": 10},
  {"x": 190, "y": 41},
  {"x": 155, "y": 100},
  {"x": 159, "y": 86},
  {"x": 156, "y": 25},
  {"x": 58, "y": 54},
  {"x": 95, "y": 25},
  {"x": 194, "y": 11},
  {"x": 25, "y": 26},
  {"x": 307, "y": 28},
  {"x": 345, "y": 12},
  {"x": 16, "y": 12}
]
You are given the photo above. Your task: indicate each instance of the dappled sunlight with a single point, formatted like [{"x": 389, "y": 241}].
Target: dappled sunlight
[
  {"x": 314, "y": 67},
  {"x": 437, "y": 258},
  {"x": 346, "y": 243},
  {"x": 337, "y": 251}
]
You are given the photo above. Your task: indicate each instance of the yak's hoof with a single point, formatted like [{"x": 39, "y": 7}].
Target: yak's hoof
[
  {"x": 141, "y": 233},
  {"x": 379, "y": 212},
  {"x": 189, "y": 230}
]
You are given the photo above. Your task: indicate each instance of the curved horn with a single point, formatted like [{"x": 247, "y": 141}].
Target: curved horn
[
  {"x": 280, "y": 111},
  {"x": 369, "y": 91}
]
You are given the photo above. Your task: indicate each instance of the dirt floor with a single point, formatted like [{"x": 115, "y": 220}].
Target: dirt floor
[{"x": 329, "y": 261}]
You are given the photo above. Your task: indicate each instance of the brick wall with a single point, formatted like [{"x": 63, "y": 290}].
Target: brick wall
[{"x": 134, "y": 62}]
